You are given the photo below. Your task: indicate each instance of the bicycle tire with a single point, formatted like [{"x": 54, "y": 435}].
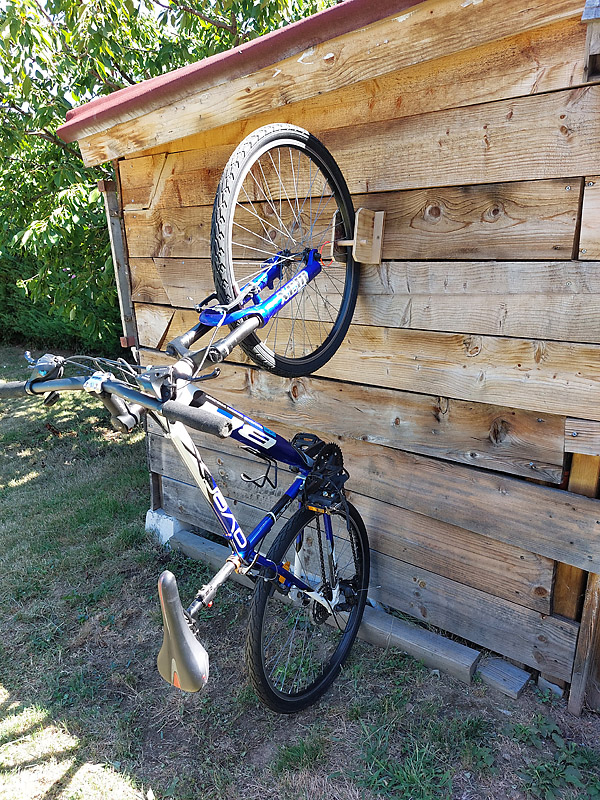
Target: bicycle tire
[
  {"x": 279, "y": 192},
  {"x": 325, "y": 638}
]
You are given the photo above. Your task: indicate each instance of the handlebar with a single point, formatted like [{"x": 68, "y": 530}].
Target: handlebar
[
  {"x": 13, "y": 389},
  {"x": 126, "y": 415}
]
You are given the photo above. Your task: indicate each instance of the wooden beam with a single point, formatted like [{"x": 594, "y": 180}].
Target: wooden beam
[
  {"x": 569, "y": 581},
  {"x": 585, "y": 473},
  {"x": 118, "y": 248},
  {"x": 430, "y": 30},
  {"x": 588, "y": 647},
  {"x": 592, "y": 49},
  {"x": 503, "y": 676},
  {"x": 537, "y": 61},
  {"x": 545, "y": 376},
  {"x": 535, "y": 218},
  {"x": 582, "y": 436},
  {"x": 589, "y": 239},
  {"x": 510, "y": 140}
]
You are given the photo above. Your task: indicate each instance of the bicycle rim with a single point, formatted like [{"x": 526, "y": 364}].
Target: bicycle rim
[
  {"x": 296, "y": 648},
  {"x": 282, "y": 192}
]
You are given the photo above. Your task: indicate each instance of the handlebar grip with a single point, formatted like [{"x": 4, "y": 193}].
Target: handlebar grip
[
  {"x": 179, "y": 346},
  {"x": 13, "y": 389},
  {"x": 202, "y": 419}
]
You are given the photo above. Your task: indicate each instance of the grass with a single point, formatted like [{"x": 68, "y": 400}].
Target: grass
[{"x": 83, "y": 713}]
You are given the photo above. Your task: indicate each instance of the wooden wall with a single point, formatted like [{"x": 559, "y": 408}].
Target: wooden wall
[{"x": 466, "y": 396}]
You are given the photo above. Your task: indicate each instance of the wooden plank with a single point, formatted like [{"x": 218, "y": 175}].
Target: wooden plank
[
  {"x": 569, "y": 581},
  {"x": 536, "y": 219},
  {"x": 537, "y": 137},
  {"x": 589, "y": 239},
  {"x": 513, "y": 630},
  {"x": 377, "y": 627},
  {"x": 585, "y": 473},
  {"x": 588, "y": 647},
  {"x": 540, "y": 60},
  {"x": 591, "y": 68},
  {"x": 558, "y": 525},
  {"x": 118, "y": 249},
  {"x": 503, "y": 676},
  {"x": 146, "y": 284},
  {"x": 477, "y": 278},
  {"x": 163, "y": 459},
  {"x": 540, "y": 641},
  {"x": 435, "y": 651},
  {"x": 505, "y": 439},
  {"x": 545, "y": 376},
  {"x": 493, "y": 567},
  {"x": 152, "y": 324},
  {"x": 582, "y": 436},
  {"x": 140, "y": 183},
  {"x": 430, "y": 30}
]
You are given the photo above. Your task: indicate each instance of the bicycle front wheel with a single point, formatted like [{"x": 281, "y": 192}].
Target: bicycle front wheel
[
  {"x": 295, "y": 647},
  {"x": 282, "y": 194}
]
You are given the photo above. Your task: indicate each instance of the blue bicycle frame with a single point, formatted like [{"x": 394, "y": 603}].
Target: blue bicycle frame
[
  {"x": 254, "y": 436},
  {"x": 271, "y": 446}
]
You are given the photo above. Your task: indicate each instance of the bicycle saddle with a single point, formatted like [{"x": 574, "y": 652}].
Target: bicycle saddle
[{"x": 182, "y": 660}]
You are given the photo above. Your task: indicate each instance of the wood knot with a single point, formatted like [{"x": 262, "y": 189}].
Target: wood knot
[
  {"x": 296, "y": 390},
  {"x": 440, "y": 408},
  {"x": 499, "y": 430},
  {"x": 540, "y": 591},
  {"x": 539, "y": 352},
  {"x": 493, "y": 213},
  {"x": 167, "y": 230},
  {"x": 433, "y": 211},
  {"x": 472, "y": 345}
]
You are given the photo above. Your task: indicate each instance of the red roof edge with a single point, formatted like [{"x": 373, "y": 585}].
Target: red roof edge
[{"x": 349, "y": 15}]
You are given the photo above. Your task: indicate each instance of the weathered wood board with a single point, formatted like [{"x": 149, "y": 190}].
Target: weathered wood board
[
  {"x": 546, "y": 376},
  {"x": 540, "y": 60},
  {"x": 537, "y": 219},
  {"x": 430, "y": 30},
  {"x": 558, "y": 525},
  {"x": 589, "y": 241},
  {"x": 509, "y": 440}
]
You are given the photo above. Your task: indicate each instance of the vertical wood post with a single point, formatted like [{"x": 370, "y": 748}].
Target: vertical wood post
[
  {"x": 591, "y": 15},
  {"x": 121, "y": 265},
  {"x": 585, "y": 471}
]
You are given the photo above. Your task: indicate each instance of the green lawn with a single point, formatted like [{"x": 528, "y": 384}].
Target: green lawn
[{"x": 84, "y": 714}]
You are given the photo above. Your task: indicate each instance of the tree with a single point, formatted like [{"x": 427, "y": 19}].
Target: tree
[{"x": 55, "y": 55}]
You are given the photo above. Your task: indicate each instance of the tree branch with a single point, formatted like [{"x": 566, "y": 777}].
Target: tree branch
[
  {"x": 44, "y": 133},
  {"x": 210, "y": 20}
]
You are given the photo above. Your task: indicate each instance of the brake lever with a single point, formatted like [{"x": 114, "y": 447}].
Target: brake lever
[{"x": 214, "y": 374}]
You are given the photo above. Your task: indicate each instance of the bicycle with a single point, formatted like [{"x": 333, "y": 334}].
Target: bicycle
[{"x": 280, "y": 197}]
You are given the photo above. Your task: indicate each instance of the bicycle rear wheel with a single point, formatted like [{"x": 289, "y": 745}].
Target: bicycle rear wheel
[
  {"x": 295, "y": 648},
  {"x": 282, "y": 193}
]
